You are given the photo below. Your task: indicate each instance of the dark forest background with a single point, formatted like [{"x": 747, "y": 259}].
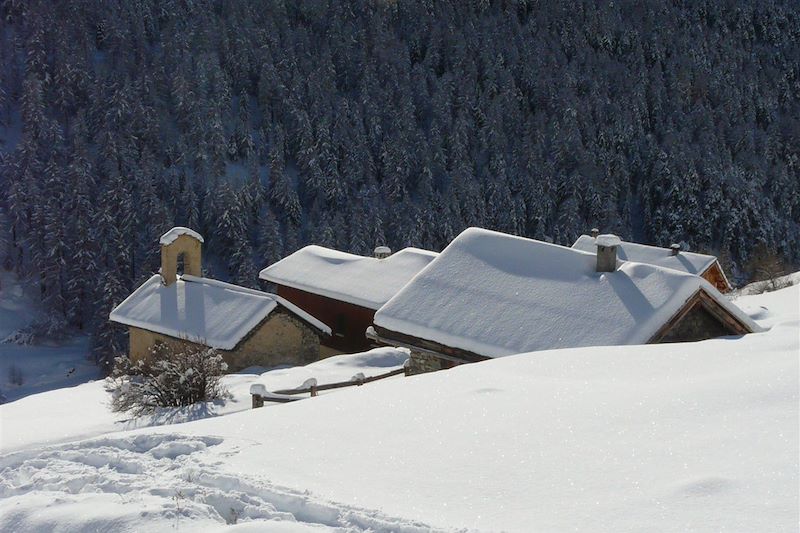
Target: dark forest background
[{"x": 270, "y": 125}]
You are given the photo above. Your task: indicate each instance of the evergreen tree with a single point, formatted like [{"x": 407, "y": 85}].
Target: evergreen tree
[{"x": 359, "y": 125}]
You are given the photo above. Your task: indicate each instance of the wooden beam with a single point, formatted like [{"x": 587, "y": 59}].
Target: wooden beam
[
  {"x": 448, "y": 353},
  {"x": 673, "y": 321},
  {"x": 314, "y": 389}
]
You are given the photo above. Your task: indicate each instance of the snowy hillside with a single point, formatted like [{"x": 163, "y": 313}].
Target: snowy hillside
[
  {"x": 698, "y": 436},
  {"x": 27, "y": 368},
  {"x": 55, "y": 411},
  {"x": 266, "y": 126}
]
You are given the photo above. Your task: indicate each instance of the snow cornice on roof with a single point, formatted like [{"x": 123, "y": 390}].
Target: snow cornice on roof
[{"x": 170, "y": 236}]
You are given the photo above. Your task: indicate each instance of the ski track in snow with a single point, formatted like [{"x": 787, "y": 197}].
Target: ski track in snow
[{"x": 179, "y": 478}]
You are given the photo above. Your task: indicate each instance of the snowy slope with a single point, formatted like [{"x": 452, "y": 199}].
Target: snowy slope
[
  {"x": 38, "y": 367},
  {"x": 697, "y": 436},
  {"x": 769, "y": 308},
  {"x": 70, "y": 414}
]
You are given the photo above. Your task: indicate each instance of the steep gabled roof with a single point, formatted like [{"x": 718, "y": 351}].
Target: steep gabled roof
[
  {"x": 363, "y": 281},
  {"x": 690, "y": 262},
  {"x": 202, "y": 310},
  {"x": 494, "y": 294}
]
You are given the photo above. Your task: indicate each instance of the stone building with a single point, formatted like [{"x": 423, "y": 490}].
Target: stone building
[
  {"x": 703, "y": 265},
  {"x": 489, "y": 295},
  {"x": 344, "y": 290},
  {"x": 179, "y": 306}
]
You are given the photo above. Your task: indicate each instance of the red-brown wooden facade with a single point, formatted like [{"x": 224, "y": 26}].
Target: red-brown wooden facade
[{"x": 348, "y": 322}]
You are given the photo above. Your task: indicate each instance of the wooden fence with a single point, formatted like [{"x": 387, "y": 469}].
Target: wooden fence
[{"x": 261, "y": 395}]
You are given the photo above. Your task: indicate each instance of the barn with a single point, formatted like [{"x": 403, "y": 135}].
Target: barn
[
  {"x": 344, "y": 290},
  {"x": 705, "y": 266},
  {"x": 489, "y": 295},
  {"x": 180, "y": 307}
]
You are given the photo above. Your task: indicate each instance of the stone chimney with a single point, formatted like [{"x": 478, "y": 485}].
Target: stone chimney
[
  {"x": 595, "y": 232},
  {"x": 382, "y": 252},
  {"x": 180, "y": 246},
  {"x": 607, "y": 252},
  {"x": 675, "y": 248}
]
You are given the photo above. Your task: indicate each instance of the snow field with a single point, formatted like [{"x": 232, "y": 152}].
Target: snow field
[
  {"x": 157, "y": 483},
  {"x": 29, "y": 369},
  {"x": 69, "y": 414}
]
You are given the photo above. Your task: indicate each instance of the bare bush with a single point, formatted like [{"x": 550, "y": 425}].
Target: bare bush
[
  {"x": 768, "y": 270},
  {"x": 173, "y": 376}
]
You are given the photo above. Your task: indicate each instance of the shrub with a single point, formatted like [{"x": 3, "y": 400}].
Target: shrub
[
  {"x": 768, "y": 269},
  {"x": 173, "y": 376}
]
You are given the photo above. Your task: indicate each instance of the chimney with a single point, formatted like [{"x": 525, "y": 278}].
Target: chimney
[
  {"x": 676, "y": 248},
  {"x": 180, "y": 246},
  {"x": 382, "y": 252},
  {"x": 607, "y": 252},
  {"x": 595, "y": 232}
]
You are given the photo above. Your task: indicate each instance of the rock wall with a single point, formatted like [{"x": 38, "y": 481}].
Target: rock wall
[
  {"x": 697, "y": 325},
  {"x": 281, "y": 339},
  {"x": 420, "y": 363}
]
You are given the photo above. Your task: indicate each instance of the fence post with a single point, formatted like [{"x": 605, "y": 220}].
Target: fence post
[
  {"x": 313, "y": 390},
  {"x": 258, "y": 391},
  {"x": 258, "y": 401}
]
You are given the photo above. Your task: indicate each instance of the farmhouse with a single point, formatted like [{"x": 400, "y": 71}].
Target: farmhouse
[
  {"x": 180, "y": 306},
  {"x": 489, "y": 294},
  {"x": 705, "y": 266},
  {"x": 344, "y": 290}
]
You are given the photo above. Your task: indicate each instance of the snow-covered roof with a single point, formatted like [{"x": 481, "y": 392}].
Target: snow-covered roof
[
  {"x": 170, "y": 236},
  {"x": 690, "y": 262},
  {"x": 202, "y": 310},
  {"x": 365, "y": 281},
  {"x": 495, "y": 294}
]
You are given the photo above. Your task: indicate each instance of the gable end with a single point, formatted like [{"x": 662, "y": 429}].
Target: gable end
[
  {"x": 700, "y": 318},
  {"x": 716, "y": 276}
]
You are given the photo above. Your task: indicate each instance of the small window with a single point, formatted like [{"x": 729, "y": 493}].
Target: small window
[{"x": 180, "y": 266}]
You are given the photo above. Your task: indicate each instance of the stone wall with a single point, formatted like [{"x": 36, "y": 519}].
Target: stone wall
[
  {"x": 420, "y": 363},
  {"x": 281, "y": 339},
  {"x": 697, "y": 325},
  {"x": 190, "y": 248}
]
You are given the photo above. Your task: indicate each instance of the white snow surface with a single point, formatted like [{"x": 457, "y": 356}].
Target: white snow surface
[
  {"x": 363, "y": 281},
  {"x": 202, "y": 310},
  {"x": 33, "y": 368},
  {"x": 672, "y": 437},
  {"x": 73, "y": 413},
  {"x": 770, "y": 308},
  {"x": 170, "y": 236},
  {"x": 690, "y": 262},
  {"x": 495, "y": 294}
]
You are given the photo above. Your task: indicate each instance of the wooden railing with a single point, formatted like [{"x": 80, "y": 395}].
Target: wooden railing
[{"x": 260, "y": 394}]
